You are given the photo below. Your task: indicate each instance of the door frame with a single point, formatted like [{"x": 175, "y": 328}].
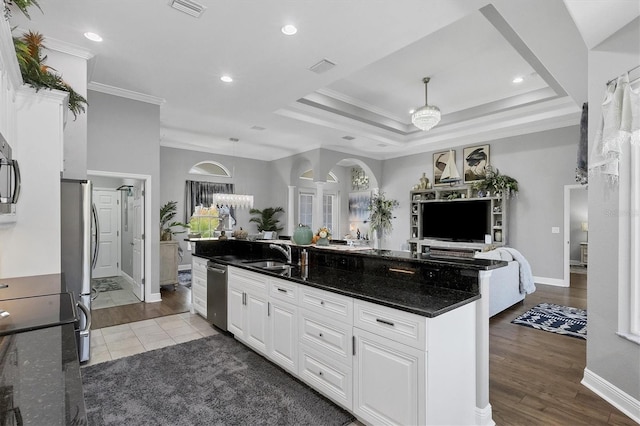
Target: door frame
[
  {"x": 567, "y": 231},
  {"x": 148, "y": 296}
]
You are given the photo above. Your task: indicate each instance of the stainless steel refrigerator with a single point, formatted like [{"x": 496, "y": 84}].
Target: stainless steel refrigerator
[{"x": 77, "y": 221}]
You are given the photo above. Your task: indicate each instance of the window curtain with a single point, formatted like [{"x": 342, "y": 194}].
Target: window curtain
[
  {"x": 197, "y": 193},
  {"x": 582, "y": 174}
]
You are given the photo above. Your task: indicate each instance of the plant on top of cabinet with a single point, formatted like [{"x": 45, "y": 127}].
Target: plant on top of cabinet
[
  {"x": 40, "y": 76},
  {"x": 266, "y": 220},
  {"x": 167, "y": 213},
  {"x": 499, "y": 183},
  {"x": 23, "y": 5},
  {"x": 381, "y": 213}
]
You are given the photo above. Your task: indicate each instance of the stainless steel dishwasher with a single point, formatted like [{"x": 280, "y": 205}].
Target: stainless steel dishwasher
[{"x": 217, "y": 294}]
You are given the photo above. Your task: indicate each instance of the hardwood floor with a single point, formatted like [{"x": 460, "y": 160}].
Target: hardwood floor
[
  {"x": 535, "y": 375},
  {"x": 173, "y": 302}
]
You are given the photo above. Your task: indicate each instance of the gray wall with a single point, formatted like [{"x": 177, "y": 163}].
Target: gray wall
[
  {"x": 124, "y": 137},
  {"x": 543, "y": 163},
  {"x": 249, "y": 176},
  {"x": 609, "y": 356}
]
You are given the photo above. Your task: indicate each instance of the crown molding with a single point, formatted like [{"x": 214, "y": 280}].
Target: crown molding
[{"x": 124, "y": 93}]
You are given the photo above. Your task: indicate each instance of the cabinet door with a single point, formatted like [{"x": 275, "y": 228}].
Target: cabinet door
[
  {"x": 256, "y": 321},
  {"x": 283, "y": 335},
  {"x": 236, "y": 311},
  {"x": 389, "y": 384}
]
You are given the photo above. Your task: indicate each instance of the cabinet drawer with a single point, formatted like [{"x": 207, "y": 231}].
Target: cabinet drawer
[
  {"x": 331, "y": 338},
  {"x": 199, "y": 291},
  {"x": 400, "y": 326},
  {"x": 200, "y": 305},
  {"x": 331, "y": 305},
  {"x": 198, "y": 266},
  {"x": 199, "y": 283},
  {"x": 332, "y": 379},
  {"x": 283, "y": 290}
]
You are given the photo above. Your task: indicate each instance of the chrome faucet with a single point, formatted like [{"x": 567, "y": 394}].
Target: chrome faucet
[{"x": 286, "y": 250}]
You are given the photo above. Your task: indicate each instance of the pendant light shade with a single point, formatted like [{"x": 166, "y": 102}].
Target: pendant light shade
[{"x": 427, "y": 116}]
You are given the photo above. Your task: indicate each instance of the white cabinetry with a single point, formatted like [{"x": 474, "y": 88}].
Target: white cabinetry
[
  {"x": 247, "y": 308},
  {"x": 199, "y": 285},
  {"x": 282, "y": 344}
]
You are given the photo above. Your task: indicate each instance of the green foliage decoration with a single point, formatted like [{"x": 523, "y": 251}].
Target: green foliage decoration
[
  {"x": 22, "y": 5},
  {"x": 496, "y": 182},
  {"x": 266, "y": 220},
  {"x": 381, "y": 213},
  {"x": 167, "y": 213}
]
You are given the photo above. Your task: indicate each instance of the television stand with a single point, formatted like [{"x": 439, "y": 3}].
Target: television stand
[{"x": 449, "y": 248}]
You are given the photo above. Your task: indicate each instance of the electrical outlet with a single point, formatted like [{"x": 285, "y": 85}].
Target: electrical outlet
[{"x": 555, "y": 230}]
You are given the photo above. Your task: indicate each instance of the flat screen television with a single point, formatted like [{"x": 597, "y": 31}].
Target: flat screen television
[{"x": 458, "y": 220}]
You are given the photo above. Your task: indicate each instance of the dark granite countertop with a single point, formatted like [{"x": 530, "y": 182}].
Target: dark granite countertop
[
  {"x": 39, "y": 369},
  {"x": 425, "y": 286}
]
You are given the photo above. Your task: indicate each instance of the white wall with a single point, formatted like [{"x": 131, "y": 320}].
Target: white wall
[
  {"x": 124, "y": 137},
  {"x": 612, "y": 358}
]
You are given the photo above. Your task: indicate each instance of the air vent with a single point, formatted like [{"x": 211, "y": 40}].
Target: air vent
[
  {"x": 257, "y": 128},
  {"x": 188, "y": 6},
  {"x": 322, "y": 66},
  {"x": 348, "y": 138}
]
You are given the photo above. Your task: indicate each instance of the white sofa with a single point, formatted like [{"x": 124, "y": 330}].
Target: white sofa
[{"x": 504, "y": 284}]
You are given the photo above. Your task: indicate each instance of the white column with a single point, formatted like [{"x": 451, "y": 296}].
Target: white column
[
  {"x": 483, "y": 407},
  {"x": 291, "y": 221},
  {"x": 317, "y": 208}
]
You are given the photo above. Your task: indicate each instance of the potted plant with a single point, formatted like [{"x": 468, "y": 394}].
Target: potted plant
[
  {"x": 23, "y": 5},
  {"x": 266, "y": 219},
  {"x": 167, "y": 213},
  {"x": 381, "y": 214},
  {"x": 498, "y": 183}
]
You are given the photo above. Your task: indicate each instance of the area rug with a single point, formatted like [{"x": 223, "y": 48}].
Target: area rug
[
  {"x": 106, "y": 284},
  {"x": 184, "y": 277},
  {"x": 209, "y": 381},
  {"x": 556, "y": 319}
]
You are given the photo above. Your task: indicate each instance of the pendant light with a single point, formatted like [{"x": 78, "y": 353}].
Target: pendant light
[
  {"x": 242, "y": 201},
  {"x": 427, "y": 116}
]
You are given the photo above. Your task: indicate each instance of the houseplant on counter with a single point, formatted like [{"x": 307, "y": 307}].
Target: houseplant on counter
[
  {"x": 266, "y": 220},
  {"x": 498, "y": 183},
  {"x": 381, "y": 213}
]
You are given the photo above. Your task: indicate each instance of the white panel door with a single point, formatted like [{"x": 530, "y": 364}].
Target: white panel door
[
  {"x": 108, "y": 207},
  {"x": 283, "y": 334},
  {"x": 138, "y": 244},
  {"x": 236, "y": 311},
  {"x": 256, "y": 332}
]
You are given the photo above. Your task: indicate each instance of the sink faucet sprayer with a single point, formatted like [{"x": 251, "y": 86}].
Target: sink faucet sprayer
[{"x": 284, "y": 250}]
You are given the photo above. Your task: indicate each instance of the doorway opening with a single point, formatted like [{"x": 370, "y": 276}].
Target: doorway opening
[{"x": 123, "y": 260}]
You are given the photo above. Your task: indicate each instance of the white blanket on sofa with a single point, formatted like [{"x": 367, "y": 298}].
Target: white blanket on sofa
[{"x": 527, "y": 284}]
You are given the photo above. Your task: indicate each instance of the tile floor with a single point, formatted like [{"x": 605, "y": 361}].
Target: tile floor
[
  {"x": 108, "y": 299},
  {"x": 115, "y": 342}
]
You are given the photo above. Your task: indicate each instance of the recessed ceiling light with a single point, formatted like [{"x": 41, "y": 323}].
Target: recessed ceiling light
[
  {"x": 289, "y": 29},
  {"x": 518, "y": 79},
  {"x": 226, "y": 79},
  {"x": 93, "y": 36}
]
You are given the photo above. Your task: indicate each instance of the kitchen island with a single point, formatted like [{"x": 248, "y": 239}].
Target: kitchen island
[{"x": 391, "y": 337}]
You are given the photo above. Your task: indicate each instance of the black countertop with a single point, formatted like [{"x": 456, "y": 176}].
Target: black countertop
[
  {"x": 40, "y": 371},
  {"x": 421, "y": 285}
]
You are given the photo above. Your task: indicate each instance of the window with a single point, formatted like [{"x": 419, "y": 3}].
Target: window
[
  {"x": 305, "y": 209},
  {"x": 211, "y": 168},
  {"x": 330, "y": 212}
]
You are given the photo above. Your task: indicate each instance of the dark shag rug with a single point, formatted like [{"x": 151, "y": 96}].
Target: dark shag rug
[
  {"x": 106, "y": 284},
  {"x": 209, "y": 381},
  {"x": 184, "y": 277},
  {"x": 556, "y": 319}
]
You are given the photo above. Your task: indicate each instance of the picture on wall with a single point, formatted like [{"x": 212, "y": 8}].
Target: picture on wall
[
  {"x": 440, "y": 160},
  {"x": 476, "y": 159},
  {"x": 359, "y": 206}
]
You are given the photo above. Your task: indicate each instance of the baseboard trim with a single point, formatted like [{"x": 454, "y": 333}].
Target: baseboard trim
[
  {"x": 153, "y": 297},
  {"x": 185, "y": 267},
  {"x": 613, "y": 395},
  {"x": 484, "y": 416},
  {"x": 127, "y": 278},
  {"x": 558, "y": 282}
]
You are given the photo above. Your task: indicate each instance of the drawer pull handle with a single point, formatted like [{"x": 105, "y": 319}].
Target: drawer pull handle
[
  {"x": 385, "y": 322},
  {"x": 320, "y": 373},
  {"x": 402, "y": 271},
  {"x": 320, "y": 334},
  {"x": 282, "y": 290},
  {"x": 322, "y": 302}
]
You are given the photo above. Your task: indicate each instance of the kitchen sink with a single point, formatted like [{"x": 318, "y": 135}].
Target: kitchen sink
[{"x": 269, "y": 265}]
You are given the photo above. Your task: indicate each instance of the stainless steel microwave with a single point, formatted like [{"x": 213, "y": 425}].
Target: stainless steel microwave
[{"x": 9, "y": 179}]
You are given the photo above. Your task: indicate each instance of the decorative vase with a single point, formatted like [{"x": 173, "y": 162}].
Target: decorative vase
[
  {"x": 302, "y": 235},
  {"x": 497, "y": 236},
  {"x": 424, "y": 181},
  {"x": 322, "y": 242}
]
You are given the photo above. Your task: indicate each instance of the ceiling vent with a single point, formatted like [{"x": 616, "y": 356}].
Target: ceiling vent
[
  {"x": 188, "y": 6},
  {"x": 348, "y": 138},
  {"x": 322, "y": 66},
  {"x": 257, "y": 128}
]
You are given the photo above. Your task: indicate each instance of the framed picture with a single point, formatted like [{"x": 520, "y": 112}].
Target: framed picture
[
  {"x": 440, "y": 160},
  {"x": 475, "y": 159}
]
